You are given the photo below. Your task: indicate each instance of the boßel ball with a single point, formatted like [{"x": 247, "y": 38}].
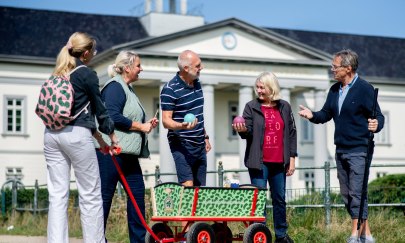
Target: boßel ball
[
  {"x": 238, "y": 119},
  {"x": 189, "y": 118}
]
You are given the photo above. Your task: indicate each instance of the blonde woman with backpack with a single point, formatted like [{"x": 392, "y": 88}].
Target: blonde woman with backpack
[{"x": 72, "y": 145}]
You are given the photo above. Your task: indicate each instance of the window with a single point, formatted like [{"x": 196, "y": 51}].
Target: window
[
  {"x": 14, "y": 173},
  {"x": 307, "y": 131},
  {"x": 382, "y": 137},
  {"x": 156, "y": 105},
  {"x": 14, "y": 115},
  {"x": 309, "y": 181},
  {"x": 381, "y": 174},
  {"x": 233, "y": 112}
]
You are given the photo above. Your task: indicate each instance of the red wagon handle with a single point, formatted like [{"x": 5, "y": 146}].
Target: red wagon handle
[{"x": 131, "y": 196}]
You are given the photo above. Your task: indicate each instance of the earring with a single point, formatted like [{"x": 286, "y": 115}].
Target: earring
[{"x": 84, "y": 59}]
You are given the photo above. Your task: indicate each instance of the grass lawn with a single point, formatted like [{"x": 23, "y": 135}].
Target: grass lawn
[{"x": 305, "y": 225}]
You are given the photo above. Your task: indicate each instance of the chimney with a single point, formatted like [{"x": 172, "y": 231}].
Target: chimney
[
  {"x": 172, "y": 6},
  {"x": 159, "y": 6},
  {"x": 183, "y": 7},
  {"x": 148, "y": 6},
  {"x": 157, "y": 21}
]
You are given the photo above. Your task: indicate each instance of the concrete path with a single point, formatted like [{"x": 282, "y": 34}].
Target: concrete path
[{"x": 30, "y": 239}]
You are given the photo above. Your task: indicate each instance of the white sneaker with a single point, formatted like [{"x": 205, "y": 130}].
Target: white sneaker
[
  {"x": 363, "y": 239},
  {"x": 352, "y": 239}
]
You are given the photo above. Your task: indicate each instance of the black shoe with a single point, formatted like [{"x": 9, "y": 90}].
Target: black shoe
[{"x": 285, "y": 239}]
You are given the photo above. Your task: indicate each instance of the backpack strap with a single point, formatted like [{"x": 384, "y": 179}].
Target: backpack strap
[
  {"x": 70, "y": 73},
  {"x": 88, "y": 103},
  {"x": 83, "y": 109}
]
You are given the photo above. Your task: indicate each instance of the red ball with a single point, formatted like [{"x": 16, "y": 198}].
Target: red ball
[{"x": 238, "y": 119}]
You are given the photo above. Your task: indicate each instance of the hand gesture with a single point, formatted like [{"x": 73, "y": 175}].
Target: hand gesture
[{"x": 305, "y": 112}]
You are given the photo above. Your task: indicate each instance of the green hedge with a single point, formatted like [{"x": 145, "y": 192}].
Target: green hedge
[
  {"x": 25, "y": 198},
  {"x": 387, "y": 189}
]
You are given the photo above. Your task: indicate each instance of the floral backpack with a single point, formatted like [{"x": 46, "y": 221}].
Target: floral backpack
[{"x": 55, "y": 102}]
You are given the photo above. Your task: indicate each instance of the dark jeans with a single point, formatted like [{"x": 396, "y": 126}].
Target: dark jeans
[
  {"x": 133, "y": 174},
  {"x": 350, "y": 171},
  {"x": 274, "y": 173}
]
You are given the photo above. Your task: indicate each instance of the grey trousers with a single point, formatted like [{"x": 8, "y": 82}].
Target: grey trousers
[{"x": 350, "y": 172}]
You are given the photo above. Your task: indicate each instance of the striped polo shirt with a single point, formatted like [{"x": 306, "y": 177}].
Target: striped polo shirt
[{"x": 180, "y": 98}]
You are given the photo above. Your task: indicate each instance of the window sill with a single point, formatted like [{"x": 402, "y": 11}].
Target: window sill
[
  {"x": 307, "y": 142},
  {"x": 233, "y": 137},
  {"x": 383, "y": 144},
  {"x": 25, "y": 135}
]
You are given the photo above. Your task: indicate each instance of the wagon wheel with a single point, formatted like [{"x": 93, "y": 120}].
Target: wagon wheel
[
  {"x": 257, "y": 233},
  {"x": 222, "y": 233},
  {"x": 200, "y": 233},
  {"x": 161, "y": 230}
]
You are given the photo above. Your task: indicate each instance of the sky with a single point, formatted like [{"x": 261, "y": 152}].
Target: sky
[{"x": 364, "y": 17}]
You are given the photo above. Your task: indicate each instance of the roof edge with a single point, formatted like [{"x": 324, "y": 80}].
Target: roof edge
[
  {"x": 27, "y": 59},
  {"x": 237, "y": 23}
]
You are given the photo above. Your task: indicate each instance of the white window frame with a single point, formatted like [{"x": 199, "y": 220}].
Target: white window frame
[
  {"x": 307, "y": 131},
  {"x": 380, "y": 174},
  {"x": 382, "y": 137},
  {"x": 14, "y": 173},
  {"x": 232, "y": 114},
  {"x": 14, "y": 108},
  {"x": 309, "y": 178}
]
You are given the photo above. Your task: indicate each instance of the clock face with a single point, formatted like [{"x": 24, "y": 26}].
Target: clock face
[{"x": 229, "y": 40}]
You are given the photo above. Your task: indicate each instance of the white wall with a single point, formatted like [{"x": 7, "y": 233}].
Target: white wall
[
  {"x": 223, "y": 123},
  {"x": 25, "y": 80},
  {"x": 23, "y": 150}
]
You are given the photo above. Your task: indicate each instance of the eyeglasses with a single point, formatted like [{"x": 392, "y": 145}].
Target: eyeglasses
[{"x": 334, "y": 67}]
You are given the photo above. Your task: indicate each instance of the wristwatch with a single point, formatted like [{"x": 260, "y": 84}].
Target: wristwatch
[{"x": 207, "y": 137}]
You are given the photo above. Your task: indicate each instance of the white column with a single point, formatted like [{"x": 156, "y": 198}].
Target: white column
[
  {"x": 245, "y": 95},
  {"x": 209, "y": 122},
  {"x": 320, "y": 146},
  {"x": 166, "y": 158},
  {"x": 286, "y": 95}
]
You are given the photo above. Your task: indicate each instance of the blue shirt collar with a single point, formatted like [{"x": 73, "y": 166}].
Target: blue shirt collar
[{"x": 352, "y": 82}]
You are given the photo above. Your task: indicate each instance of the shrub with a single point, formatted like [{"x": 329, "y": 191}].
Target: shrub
[
  {"x": 387, "y": 189},
  {"x": 25, "y": 198}
]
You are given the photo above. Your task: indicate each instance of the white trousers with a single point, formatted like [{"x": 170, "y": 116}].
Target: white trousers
[{"x": 73, "y": 146}]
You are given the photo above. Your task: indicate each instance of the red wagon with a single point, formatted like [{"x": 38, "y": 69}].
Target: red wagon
[
  {"x": 205, "y": 212},
  {"x": 197, "y": 206}
]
